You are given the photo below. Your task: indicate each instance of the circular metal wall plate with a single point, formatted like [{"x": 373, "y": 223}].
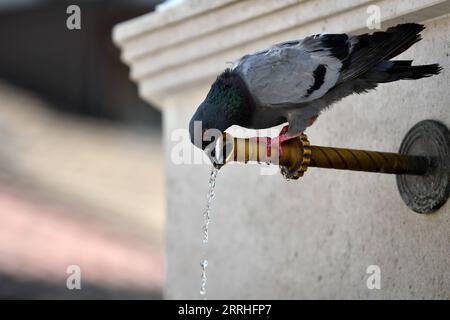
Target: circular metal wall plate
[{"x": 427, "y": 193}]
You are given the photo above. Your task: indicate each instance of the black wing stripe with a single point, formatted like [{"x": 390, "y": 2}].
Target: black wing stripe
[{"x": 319, "y": 78}]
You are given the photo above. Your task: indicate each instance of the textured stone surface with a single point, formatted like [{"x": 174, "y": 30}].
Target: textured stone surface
[{"x": 312, "y": 238}]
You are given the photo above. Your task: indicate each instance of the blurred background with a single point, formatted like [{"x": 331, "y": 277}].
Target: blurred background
[{"x": 81, "y": 168}]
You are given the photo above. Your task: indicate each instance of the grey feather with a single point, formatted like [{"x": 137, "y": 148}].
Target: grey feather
[
  {"x": 282, "y": 75},
  {"x": 294, "y": 81}
]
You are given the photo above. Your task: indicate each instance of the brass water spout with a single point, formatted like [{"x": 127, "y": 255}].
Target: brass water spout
[
  {"x": 295, "y": 156},
  {"x": 422, "y": 166}
]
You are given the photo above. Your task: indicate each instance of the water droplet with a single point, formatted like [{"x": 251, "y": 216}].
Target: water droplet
[
  {"x": 207, "y": 219},
  {"x": 209, "y": 197},
  {"x": 204, "y": 279}
]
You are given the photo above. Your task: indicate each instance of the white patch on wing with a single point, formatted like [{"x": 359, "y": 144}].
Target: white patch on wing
[
  {"x": 283, "y": 74},
  {"x": 333, "y": 67}
]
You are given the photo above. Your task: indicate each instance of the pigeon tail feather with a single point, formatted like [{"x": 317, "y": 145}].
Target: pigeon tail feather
[
  {"x": 413, "y": 72},
  {"x": 392, "y": 70},
  {"x": 368, "y": 50}
]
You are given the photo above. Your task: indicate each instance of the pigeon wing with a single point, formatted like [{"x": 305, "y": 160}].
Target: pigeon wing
[{"x": 295, "y": 72}]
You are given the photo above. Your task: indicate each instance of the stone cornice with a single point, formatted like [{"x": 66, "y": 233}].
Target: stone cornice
[{"x": 189, "y": 45}]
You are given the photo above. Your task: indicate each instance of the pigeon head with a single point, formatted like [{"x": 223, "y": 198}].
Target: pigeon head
[{"x": 228, "y": 103}]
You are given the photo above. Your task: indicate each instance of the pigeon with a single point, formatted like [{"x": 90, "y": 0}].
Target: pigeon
[{"x": 293, "y": 82}]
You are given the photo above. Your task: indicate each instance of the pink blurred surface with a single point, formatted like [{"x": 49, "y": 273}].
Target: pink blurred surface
[{"x": 38, "y": 241}]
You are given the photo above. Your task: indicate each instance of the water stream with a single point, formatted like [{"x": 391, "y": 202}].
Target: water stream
[{"x": 206, "y": 220}]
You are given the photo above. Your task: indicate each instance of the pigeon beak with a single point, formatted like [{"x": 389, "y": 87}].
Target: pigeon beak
[
  {"x": 204, "y": 142},
  {"x": 219, "y": 151},
  {"x": 210, "y": 151}
]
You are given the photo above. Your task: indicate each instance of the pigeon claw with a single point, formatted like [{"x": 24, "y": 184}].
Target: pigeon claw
[{"x": 282, "y": 137}]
